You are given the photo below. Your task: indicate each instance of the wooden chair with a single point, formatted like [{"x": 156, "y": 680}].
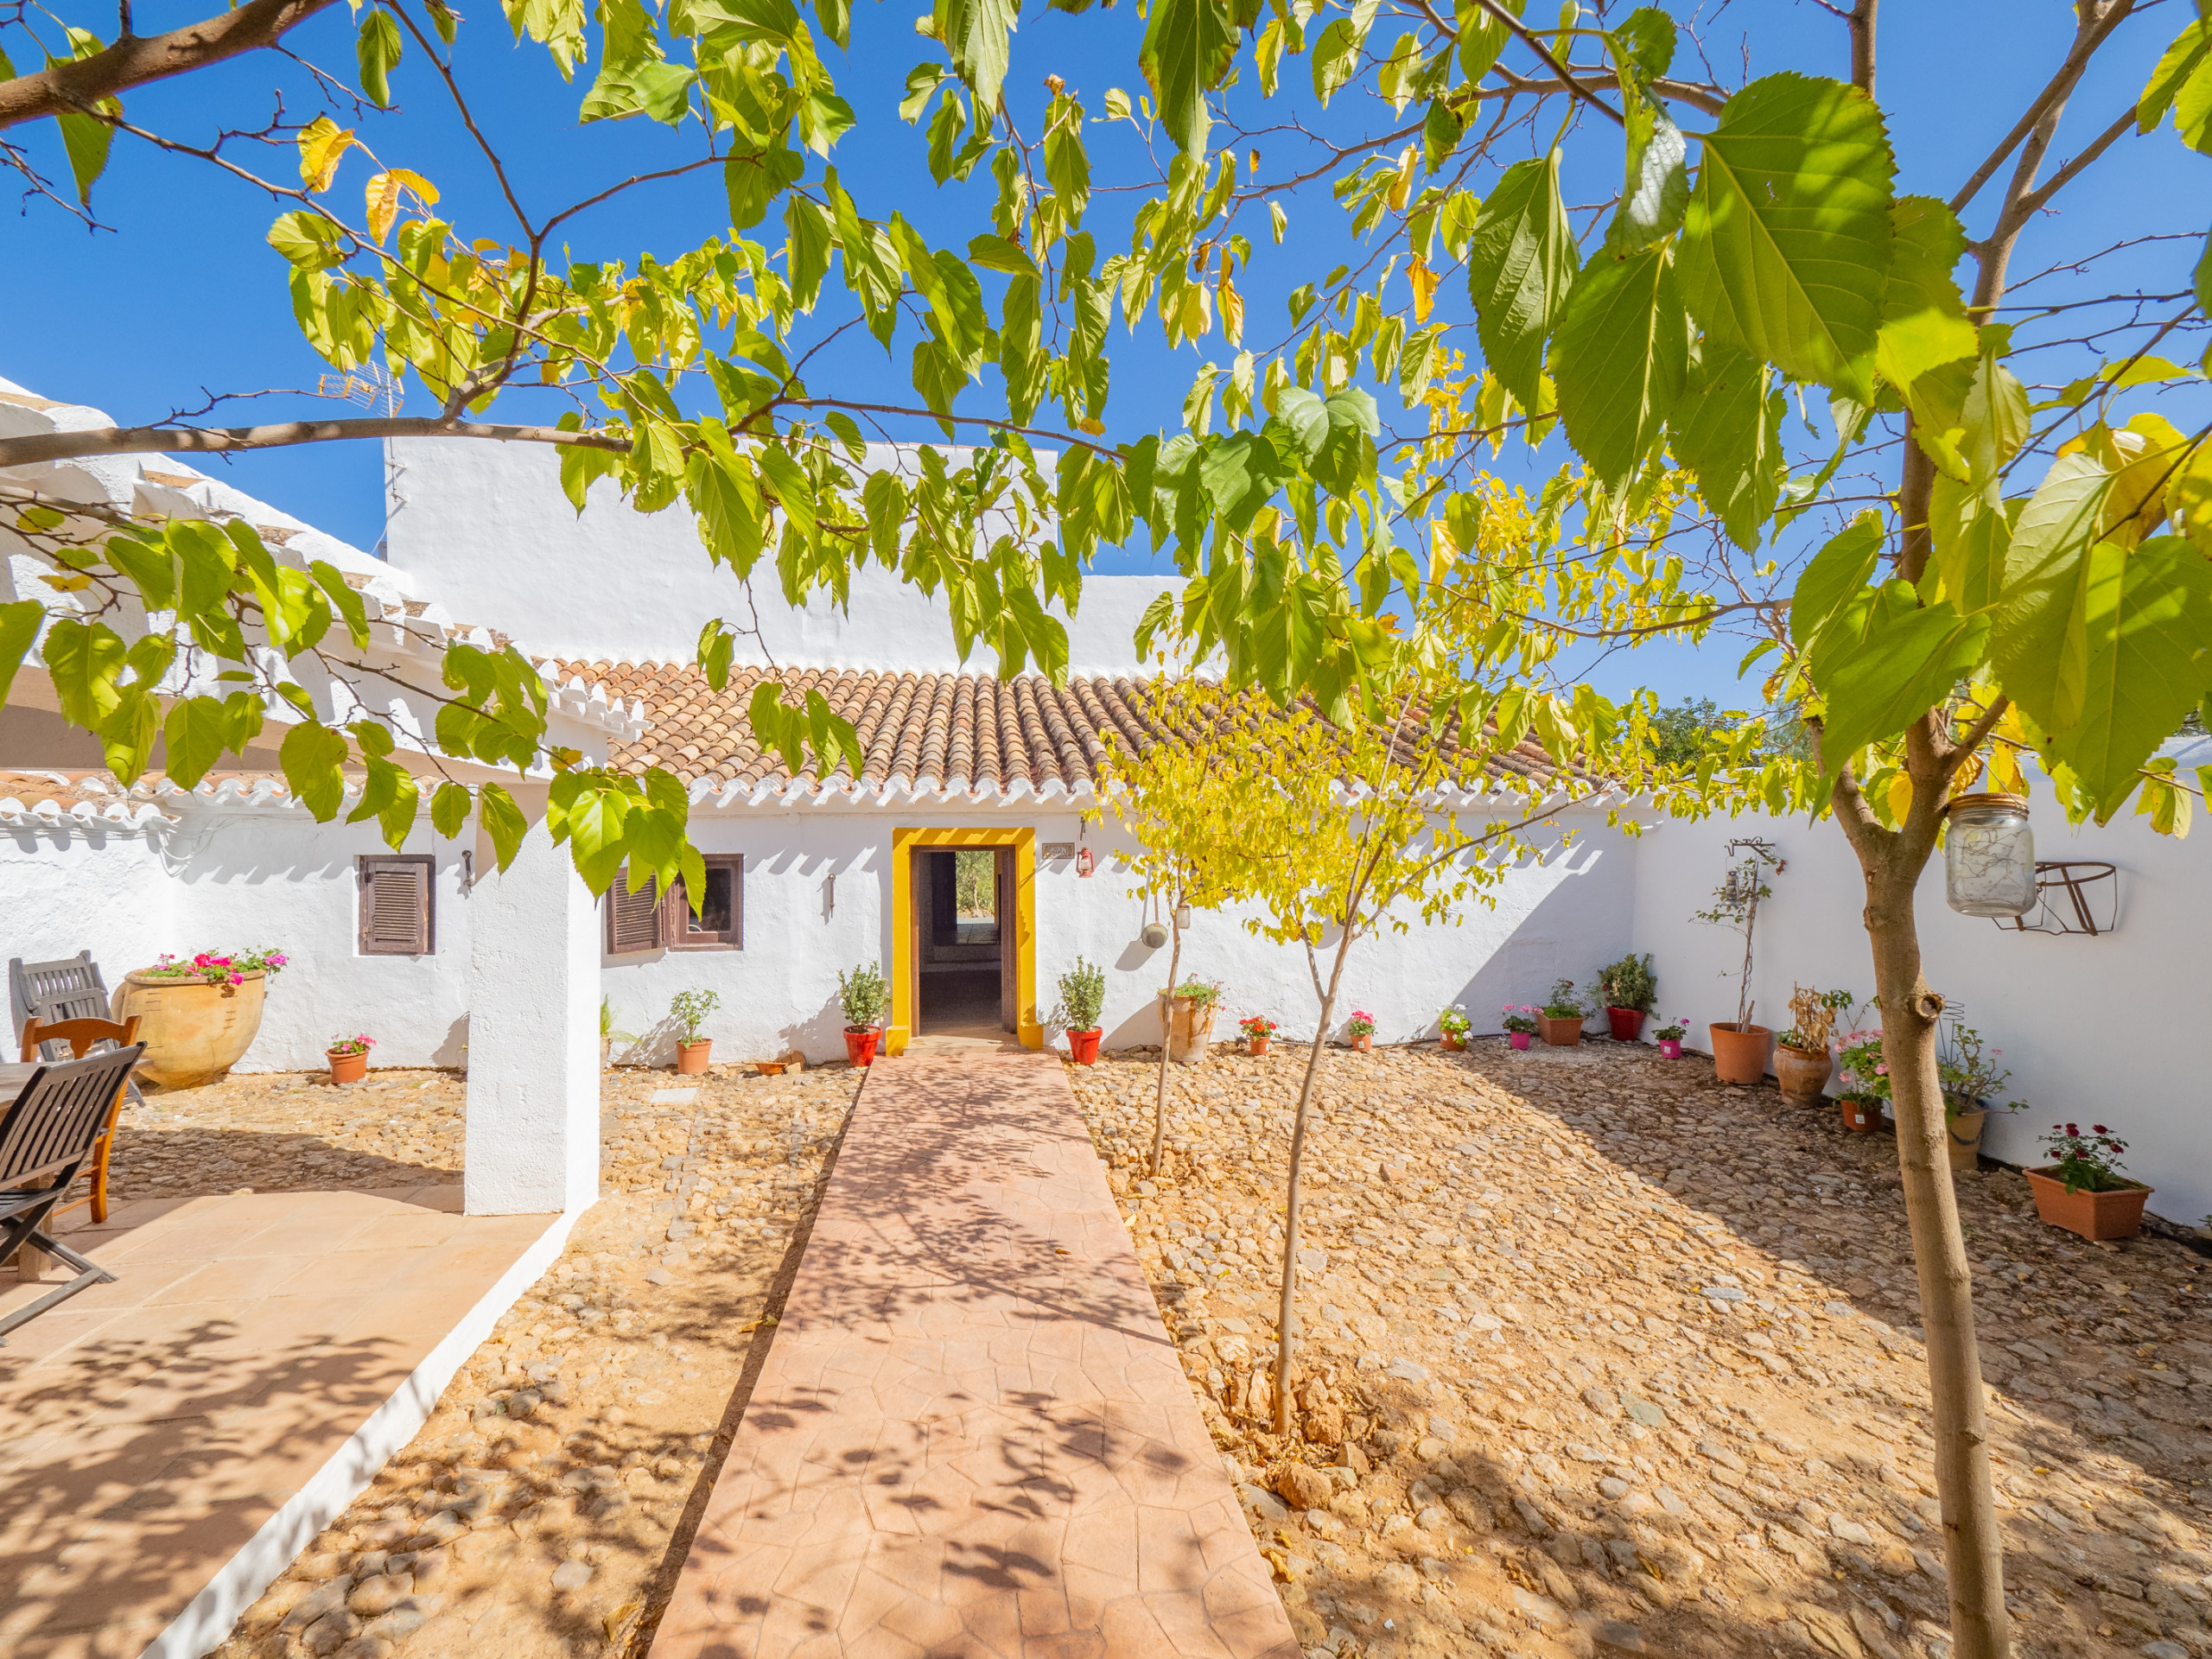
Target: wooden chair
[
  {"x": 69, "y": 989},
  {"x": 46, "y": 1139},
  {"x": 81, "y": 1038}
]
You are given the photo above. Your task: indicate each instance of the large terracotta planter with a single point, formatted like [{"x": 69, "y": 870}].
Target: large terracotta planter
[
  {"x": 860, "y": 1046},
  {"x": 1804, "y": 1075},
  {"x": 194, "y": 1032},
  {"x": 1190, "y": 1028},
  {"x": 693, "y": 1058},
  {"x": 1626, "y": 1024},
  {"x": 1962, "y": 1139},
  {"x": 2117, "y": 1214},
  {"x": 1082, "y": 1047},
  {"x": 1739, "y": 1056},
  {"x": 1563, "y": 1033}
]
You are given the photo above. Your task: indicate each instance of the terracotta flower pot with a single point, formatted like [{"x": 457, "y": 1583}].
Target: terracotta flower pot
[
  {"x": 1361, "y": 1041},
  {"x": 1255, "y": 1044},
  {"x": 1190, "y": 1028},
  {"x": 1563, "y": 1033},
  {"x": 2116, "y": 1214},
  {"x": 194, "y": 1032},
  {"x": 1627, "y": 1024},
  {"x": 1452, "y": 1043},
  {"x": 860, "y": 1044},
  {"x": 1519, "y": 1039},
  {"x": 1962, "y": 1138},
  {"x": 1859, "y": 1115},
  {"x": 1739, "y": 1057},
  {"x": 1082, "y": 1047},
  {"x": 1804, "y": 1074},
  {"x": 1670, "y": 1048},
  {"x": 692, "y": 1058},
  {"x": 347, "y": 1068}
]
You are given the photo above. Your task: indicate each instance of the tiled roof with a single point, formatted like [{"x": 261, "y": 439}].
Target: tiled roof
[{"x": 959, "y": 734}]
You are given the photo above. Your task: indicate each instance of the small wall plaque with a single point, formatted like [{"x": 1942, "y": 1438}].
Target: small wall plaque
[{"x": 1058, "y": 849}]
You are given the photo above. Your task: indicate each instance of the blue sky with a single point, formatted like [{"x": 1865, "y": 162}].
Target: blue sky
[{"x": 183, "y": 295}]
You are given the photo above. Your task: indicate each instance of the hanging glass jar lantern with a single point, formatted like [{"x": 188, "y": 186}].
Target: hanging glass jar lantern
[
  {"x": 1989, "y": 856},
  {"x": 1082, "y": 861},
  {"x": 1183, "y": 917}
]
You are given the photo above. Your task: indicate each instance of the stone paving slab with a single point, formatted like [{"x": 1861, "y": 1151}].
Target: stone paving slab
[{"x": 972, "y": 1435}]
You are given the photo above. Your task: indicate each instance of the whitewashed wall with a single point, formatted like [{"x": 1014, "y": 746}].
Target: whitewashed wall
[
  {"x": 2099, "y": 1029},
  {"x": 66, "y": 888},
  {"x": 485, "y": 529}
]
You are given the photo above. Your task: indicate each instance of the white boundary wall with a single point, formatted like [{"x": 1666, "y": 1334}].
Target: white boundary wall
[{"x": 2092, "y": 1029}]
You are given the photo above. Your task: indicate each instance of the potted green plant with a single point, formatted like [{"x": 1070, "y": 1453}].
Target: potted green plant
[
  {"x": 1865, "y": 1076},
  {"x": 2083, "y": 1191},
  {"x": 349, "y": 1058},
  {"x": 1669, "y": 1038},
  {"x": 1738, "y": 1046},
  {"x": 863, "y": 996},
  {"x": 1560, "y": 1018},
  {"x": 690, "y": 1010},
  {"x": 1626, "y": 990},
  {"x": 1189, "y": 1019},
  {"x": 1082, "y": 997},
  {"x": 1361, "y": 1029},
  {"x": 1970, "y": 1077},
  {"x": 1454, "y": 1024},
  {"x": 197, "y": 1016},
  {"x": 1801, "y": 1063},
  {"x": 1520, "y": 1023},
  {"x": 1257, "y": 1029}
]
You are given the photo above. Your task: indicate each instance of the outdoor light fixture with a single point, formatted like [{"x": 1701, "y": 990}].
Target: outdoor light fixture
[
  {"x": 1182, "y": 916},
  {"x": 1989, "y": 856},
  {"x": 1154, "y": 935},
  {"x": 1083, "y": 860}
]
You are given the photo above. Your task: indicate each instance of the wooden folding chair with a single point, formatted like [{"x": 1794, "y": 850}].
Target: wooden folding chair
[
  {"x": 71, "y": 989},
  {"x": 83, "y": 1037},
  {"x": 46, "y": 1139}
]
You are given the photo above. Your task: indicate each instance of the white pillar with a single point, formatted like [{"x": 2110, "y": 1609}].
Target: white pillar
[{"x": 533, "y": 1034}]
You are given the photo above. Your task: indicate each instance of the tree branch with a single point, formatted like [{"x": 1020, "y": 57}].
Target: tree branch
[
  {"x": 2062, "y": 83},
  {"x": 1862, "y": 45},
  {"x": 199, "y": 440},
  {"x": 68, "y": 88}
]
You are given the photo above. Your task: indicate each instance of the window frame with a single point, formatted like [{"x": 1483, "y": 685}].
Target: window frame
[
  {"x": 676, "y": 931},
  {"x": 618, "y": 892},
  {"x": 364, "y": 867}
]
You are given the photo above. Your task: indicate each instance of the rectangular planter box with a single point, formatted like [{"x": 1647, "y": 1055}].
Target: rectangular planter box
[{"x": 2117, "y": 1214}]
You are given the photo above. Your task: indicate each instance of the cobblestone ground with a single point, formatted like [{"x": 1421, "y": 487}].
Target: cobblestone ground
[
  {"x": 1603, "y": 1356},
  {"x": 543, "y": 1509}
]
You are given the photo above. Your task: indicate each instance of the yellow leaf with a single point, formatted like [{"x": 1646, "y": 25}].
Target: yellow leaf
[
  {"x": 1232, "y": 311},
  {"x": 1424, "y": 281},
  {"x": 2005, "y": 777},
  {"x": 1900, "y": 797},
  {"x": 383, "y": 195},
  {"x": 1197, "y": 312},
  {"x": 322, "y": 146}
]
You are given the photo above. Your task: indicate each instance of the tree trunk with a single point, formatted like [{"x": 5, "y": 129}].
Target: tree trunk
[
  {"x": 1285, "y": 1314},
  {"x": 1167, "y": 1039},
  {"x": 1973, "y": 1548}
]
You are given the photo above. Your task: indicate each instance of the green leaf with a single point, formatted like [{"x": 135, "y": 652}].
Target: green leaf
[
  {"x": 308, "y": 239},
  {"x": 1728, "y": 430},
  {"x": 1619, "y": 358},
  {"x": 994, "y": 252},
  {"x": 1971, "y": 539},
  {"x": 1645, "y": 42},
  {"x": 503, "y": 821},
  {"x": 1657, "y": 191},
  {"x": 1840, "y": 569},
  {"x": 1786, "y": 246},
  {"x": 449, "y": 808},
  {"x": 2040, "y": 645},
  {"x": 19, "y": 625},
  {"x": 1923, "y": 316},
  {"x": 1905, "y": 664},
  {"x": 1521, "y": 263},
  {"x": 717, "y": 647},
  {"x": 1188, "y": 47},
  {"x": 150, "y": 566},
  {"x": 198, "y": 734},
  {"x": 2176, "y": 66},
  {"x": 83, "y": 661},
  {"x": 2147, "y": 619},
  {"x": 86, "y": 139},
  {"x": 975, "y": 31},
  {"x": 312, "y": 756},
  {"x": 1307, "y": 416},
  {"x": 344, "y": 600},
  {"x": 754, "y": 178},
  {"x": 807, "y": 253},
  {"x": 377, "y": 47}
]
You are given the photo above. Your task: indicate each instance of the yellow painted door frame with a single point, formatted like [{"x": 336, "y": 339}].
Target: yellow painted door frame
[{"x": 904, "y": 1013}]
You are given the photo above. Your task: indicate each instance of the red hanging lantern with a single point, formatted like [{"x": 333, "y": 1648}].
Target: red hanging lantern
[{"x": 1083, "y": 860}]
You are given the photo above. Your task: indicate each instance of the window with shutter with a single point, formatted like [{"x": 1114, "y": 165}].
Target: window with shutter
[
  {"x": 719, "y": 923},
  {"x": 398, "y": 894},
  {"x": 633, "y": 920}
]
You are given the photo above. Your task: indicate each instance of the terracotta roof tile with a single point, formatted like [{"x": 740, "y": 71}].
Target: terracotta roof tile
[{"x": 960, "y": 733}]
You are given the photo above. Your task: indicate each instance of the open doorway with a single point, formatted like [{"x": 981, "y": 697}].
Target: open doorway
[{"x": 963, "y": 936}]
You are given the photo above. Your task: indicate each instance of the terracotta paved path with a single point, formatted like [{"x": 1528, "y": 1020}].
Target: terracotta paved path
[{"x": 972, "y": 1435}]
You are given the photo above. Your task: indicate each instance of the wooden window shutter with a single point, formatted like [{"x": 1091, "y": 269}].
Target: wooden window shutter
[
  {"x": 396, "y": 895},
  {"x": 633, "y": 920}
]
